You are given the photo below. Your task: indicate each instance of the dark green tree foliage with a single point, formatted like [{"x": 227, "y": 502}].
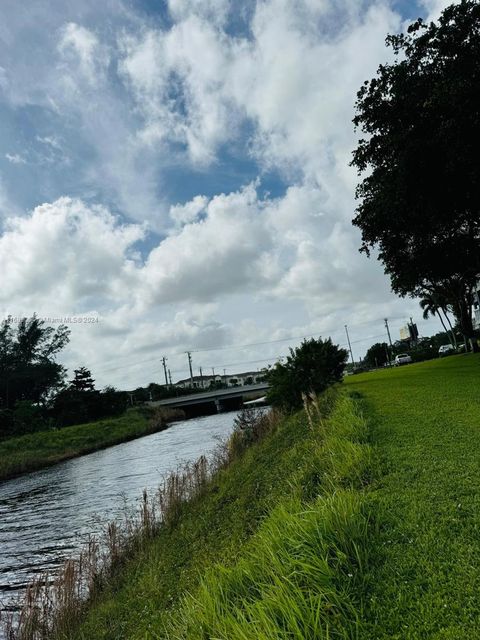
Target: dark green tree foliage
[
  {"x": 377, "y": 355},
  {"x": 83, "y": 380},
  {"x": 311, "y": 367},
  {"x": 32, "y": 389},
  {"x": 419, "y": 200},
  {"x": 217, "y": 384},
  {"x": 81, "y": 402},
  {"x": 29, "y": 375}
]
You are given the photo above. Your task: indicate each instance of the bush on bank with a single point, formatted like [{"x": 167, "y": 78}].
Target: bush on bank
[{"x": 309, "y": 369}]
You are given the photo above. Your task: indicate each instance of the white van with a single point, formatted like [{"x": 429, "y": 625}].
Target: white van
[{"x": 445, "y": 349}]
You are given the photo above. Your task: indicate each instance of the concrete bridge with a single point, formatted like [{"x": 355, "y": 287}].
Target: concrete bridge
[{"x": 214, "y": 400}]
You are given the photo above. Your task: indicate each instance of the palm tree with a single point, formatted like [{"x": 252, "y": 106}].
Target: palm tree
[
  {"x": 433, "y": 305},
  {"x": 444, "y": 309}
]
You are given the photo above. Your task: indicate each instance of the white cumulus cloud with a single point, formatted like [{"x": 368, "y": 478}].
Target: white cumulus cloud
[{"x": 137, "y": 102}]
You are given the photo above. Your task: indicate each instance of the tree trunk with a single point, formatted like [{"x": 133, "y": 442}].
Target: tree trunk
[
  {"x": 443, "y": 323},
  {"x": 466, "y": 324},
  {"x": 452, "y": 332}
]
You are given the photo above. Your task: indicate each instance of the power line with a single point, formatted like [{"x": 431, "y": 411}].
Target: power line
[
  {"x": 231, "y": 346},
  {"x": 225, "y": 348},
  {"x": 378, "y": 335},
  {"x": 236, "y": 364},
  {"x": 255, "y": 344},
  {"x": 233, "y": 364},
  {"x": 244, "y": 362},
  {"x": 267, "y": 359},
  {"x": 103, "y": 370},
  {"x": 273, "y": 358}
]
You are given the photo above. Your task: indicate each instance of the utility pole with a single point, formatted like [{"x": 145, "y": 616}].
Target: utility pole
[
  {"x": 164, "y": 361},
  {"x": 189, "y": 355},
  {"x": 213, "y": 371},
  {"x": 201, "y": 377},
  {"x": 170, "y": 377},
  {"x": 388, "y": 332},
  {"x": 388, "y": 355},
  {"x": 349, "y": 346},
  {"x": 390, "y": 341},
  {"x": 413, "y": 332}
]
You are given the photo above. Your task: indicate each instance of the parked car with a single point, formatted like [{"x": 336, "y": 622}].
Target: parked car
[
  {"x": 445, "y": 349},
  {"x": 402, "y": 358}
]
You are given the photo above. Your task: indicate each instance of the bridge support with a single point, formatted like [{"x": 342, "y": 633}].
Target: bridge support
[{"x": 218, "y": 405}]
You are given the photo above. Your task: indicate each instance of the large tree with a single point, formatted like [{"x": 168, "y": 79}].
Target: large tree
[
  {"x": 377, "y": 355},
  {"x": 419, "y": 199},
  {"x": 29, "y": 374},
  {"x": 28, "y": 370},
  {"x": 82, "y": 380}
]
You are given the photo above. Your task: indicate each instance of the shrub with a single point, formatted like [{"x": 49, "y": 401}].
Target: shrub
[{"x": 310, "y": 368}]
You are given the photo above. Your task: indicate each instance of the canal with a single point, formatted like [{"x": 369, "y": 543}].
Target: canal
[{"x": 46, "y": 515}]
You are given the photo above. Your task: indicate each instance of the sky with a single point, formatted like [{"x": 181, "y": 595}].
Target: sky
[{"x": 174, "y": 175}]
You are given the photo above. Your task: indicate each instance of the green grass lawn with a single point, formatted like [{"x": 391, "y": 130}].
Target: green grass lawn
[
  {"x": 424, "y": 578},
  {"x": 41, "y": 449}
]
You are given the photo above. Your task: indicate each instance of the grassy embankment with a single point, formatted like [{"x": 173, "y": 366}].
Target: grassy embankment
[
  {"x": 308, "y": 535},
  {"x": 425, "y": 574},
  {"x": 44, "y": 448},
  {"x": 276, "y": 542}
]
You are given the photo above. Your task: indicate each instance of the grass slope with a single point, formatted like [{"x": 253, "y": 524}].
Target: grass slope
[
  {"x": 274, "y": 549},
  {"x": 44, "y": 448},
  {"x": 425, "y": 575},
  {"x": 315, "y": 533}
]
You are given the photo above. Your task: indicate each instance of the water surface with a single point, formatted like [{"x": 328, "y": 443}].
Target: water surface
[{"x": 45, "y": 515}]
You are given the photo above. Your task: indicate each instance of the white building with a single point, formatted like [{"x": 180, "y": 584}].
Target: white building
[{"x": 231, "y": 380}]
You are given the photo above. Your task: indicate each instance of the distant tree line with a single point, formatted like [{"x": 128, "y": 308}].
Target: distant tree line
[
  {"x": 155, "y": 392},
  {"x": 34, "y": 392},
  {"x": 381, "y": 354}
]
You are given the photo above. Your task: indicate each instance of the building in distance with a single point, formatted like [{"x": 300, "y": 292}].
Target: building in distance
[{"x": 229, "y": 380}]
